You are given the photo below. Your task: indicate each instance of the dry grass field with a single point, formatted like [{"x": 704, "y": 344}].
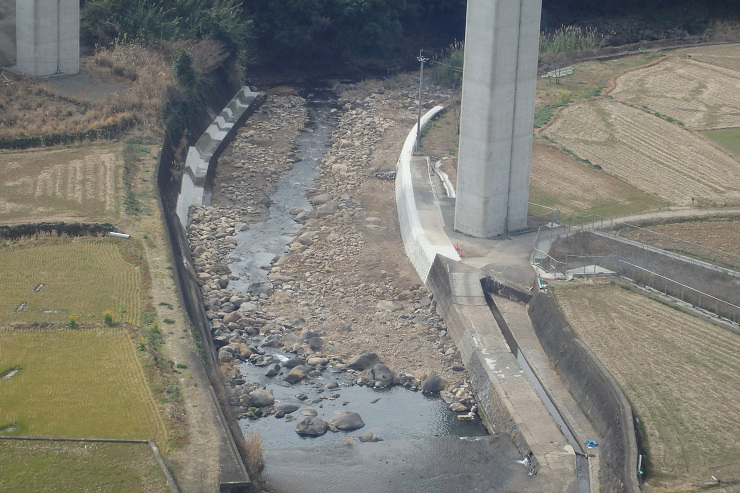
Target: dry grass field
[
  {"x": 55, "y": 280},
  {"x": 32, "y": 466},
  {"x": 557, "y": 180},
  {"x": 123, "y": 87},
  {"x": 681, "y": 374},
  {"x": 77, "y": 183},
  {"x": 692, "y": 85},
  {"x": 649, "y": 153},
  {"x": 717, "y": 233},
  {"x": 75, "y": 383},
  {"x": 625, "y": 118}
]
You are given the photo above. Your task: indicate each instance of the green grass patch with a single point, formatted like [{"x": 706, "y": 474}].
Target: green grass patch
[
  {"x": 29, "y": 466},
  {"x": 79, "y": 278},
  {"x": 76, "y": 383},
  {"x": 728, "y": 138}
]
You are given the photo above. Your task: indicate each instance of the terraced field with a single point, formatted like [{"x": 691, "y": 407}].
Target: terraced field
[
  {"x": 80, "y": 279},
  {"x": 32, "y": 466},
  {"x": 60, "y": 184},
  {"x": 649, "y": 153},
  {"x": 681, "y": 374},
  {"x": 693, "y": 86},
  {"x": 75, "y": 383}
]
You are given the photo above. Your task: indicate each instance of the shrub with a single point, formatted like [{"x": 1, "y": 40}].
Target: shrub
[{"x": 255, "y": 461}]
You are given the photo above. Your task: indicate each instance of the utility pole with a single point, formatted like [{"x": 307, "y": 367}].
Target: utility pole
[{"x": 418, "y": 114}]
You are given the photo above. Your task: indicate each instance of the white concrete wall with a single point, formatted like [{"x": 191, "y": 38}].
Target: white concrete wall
[
  {"x": 501, "y": 43},
  {"x": 418, "y": 248},
  {"x": 7, "y": 33},
  {"x": 48, "y": 36},
  {"x": 69, "y": 36}
]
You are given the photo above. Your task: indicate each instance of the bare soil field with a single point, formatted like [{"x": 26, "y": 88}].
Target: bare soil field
[
  {"x": 78, "y": 183},
  {"x": 649, "y": 153},
  {"x": 692, "y": 85},
  {"x": 681, "y": 374}
]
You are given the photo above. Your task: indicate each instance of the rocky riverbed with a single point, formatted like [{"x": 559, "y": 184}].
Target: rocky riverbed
[{"x": 344, "y": 297}]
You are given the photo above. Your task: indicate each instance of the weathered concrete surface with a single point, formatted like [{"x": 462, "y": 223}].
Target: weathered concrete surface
[
  {"x": 207, "y": 149},
  {"x": 508, "y": 401},
  {"x": 421, "y": 230},
  {"x": 596, "y": 392},
  {"x": 48, "y": 37},
  {"x": 7, "y": 33},
  {"x": 501, "y": 48}
]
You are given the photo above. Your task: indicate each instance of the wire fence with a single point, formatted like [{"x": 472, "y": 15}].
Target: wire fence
[{"x": 580, "y": 264}]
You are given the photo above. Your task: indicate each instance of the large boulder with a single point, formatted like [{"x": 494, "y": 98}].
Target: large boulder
[
  {"x": 311, "y": 426},
  {"x": 295, "y": 375},
  {"x": 380, "y": 375},
  {"x": 433, "y": 384},
  {"x": 261, "y": 398},
  {"x": 286, "y": 407},
  {"x": 370, "y": 437},
  {"x": 364, "y": 361},
  {"x": 346, "y": 421},
  {"x": 390, "y": 306},
  {"x": 294, "y": 361}
]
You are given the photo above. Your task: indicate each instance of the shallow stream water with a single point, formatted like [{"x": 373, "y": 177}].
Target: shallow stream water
[{"x": 425, "y": 447}]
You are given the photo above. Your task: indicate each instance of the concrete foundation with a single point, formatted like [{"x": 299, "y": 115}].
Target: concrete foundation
[
  {"x": 48, "y": 37},
  {"x": 501, "y": 46}
]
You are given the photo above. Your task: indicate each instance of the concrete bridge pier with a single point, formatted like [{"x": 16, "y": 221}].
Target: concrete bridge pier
[{"x": 499, "y": 83}]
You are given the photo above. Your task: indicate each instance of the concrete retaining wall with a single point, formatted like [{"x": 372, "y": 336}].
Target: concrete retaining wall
[
  {"x": 593, "y": 387},
  {"x": 467, "y": 317},
  {"x": 233, "y": 476},
  {"x": 209, "y": 147},
  {"x": 418, "y": 248}
]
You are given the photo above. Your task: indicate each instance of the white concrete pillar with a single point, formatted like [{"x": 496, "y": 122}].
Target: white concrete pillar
[
  {"x": 501, "y": 48},
  {"x": 48, "y": 36}
]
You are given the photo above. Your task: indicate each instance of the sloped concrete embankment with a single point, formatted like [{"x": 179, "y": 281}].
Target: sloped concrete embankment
[
  {"x": 174, "y": 199},
  {"x": 593, "y": 387},
  {"x": 466, "y": 317}
]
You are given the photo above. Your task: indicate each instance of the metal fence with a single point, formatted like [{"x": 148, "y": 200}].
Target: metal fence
[
  {"x": 541, "y": 215},
  {"x": 638, "y": 274}
]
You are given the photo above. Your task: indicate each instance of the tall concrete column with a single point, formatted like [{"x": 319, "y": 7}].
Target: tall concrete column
[
  {"x": 48, "y": 36},
  {"x": 497, "y": 117}
]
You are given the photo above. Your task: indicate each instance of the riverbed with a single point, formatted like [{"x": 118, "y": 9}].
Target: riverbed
[{"x": 425, "y": 446}]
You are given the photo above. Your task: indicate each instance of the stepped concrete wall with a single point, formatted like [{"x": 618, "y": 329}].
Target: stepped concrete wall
[{"x": 205, "y": 152}]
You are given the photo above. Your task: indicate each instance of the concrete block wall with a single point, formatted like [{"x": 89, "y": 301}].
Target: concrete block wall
[
  {"x": 593, "y": 387},
  {"x": 418, "y": 248},
  {"x": 204, "y": 153},
  {"x": 48, "y": 37}
]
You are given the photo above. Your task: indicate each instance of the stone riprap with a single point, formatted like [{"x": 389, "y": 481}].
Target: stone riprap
[{"x": 296, "y": 310}]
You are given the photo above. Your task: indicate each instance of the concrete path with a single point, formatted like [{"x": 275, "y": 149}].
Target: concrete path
[{"x": 507, "y": 260}]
